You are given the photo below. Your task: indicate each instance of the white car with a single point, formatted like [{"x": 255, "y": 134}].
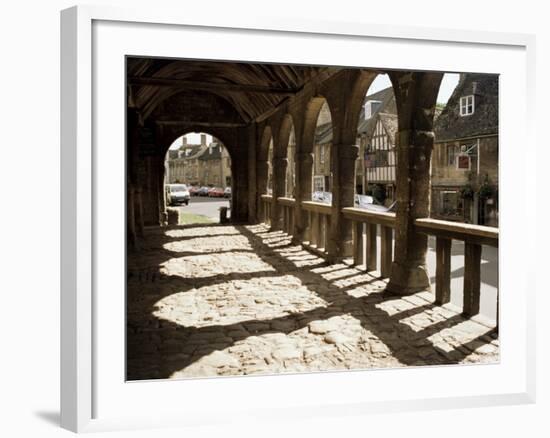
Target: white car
[{"x": 177, "y": 194}]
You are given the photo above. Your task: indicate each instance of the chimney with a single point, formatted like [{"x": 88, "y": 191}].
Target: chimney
[
  {"x": 203, "y": 139},
  {"x": 184, "y": 141},
  {"x": 474, "y": 87}
]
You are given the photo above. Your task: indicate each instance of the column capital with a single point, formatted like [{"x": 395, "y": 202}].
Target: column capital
[{"x": 347, "y": 151}]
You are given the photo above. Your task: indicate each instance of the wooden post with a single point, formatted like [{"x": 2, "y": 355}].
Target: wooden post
[
  {"x": 323, "y": 231},
  {"x": 472, "y": 278},
  {"x": 371, "y": 247},
  {"x": 386, "y": 250},
  {"x": 498, "y": 311},
  {"x": 315, "y": 233},
  {"x": 443, "y": 270},
  {"x": 292, "y": 212},
  {"x": 358, "y": 248},
  {"x": 306, "y": 222}
]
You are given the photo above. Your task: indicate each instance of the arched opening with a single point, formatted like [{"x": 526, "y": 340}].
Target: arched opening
[
  {"x": 197, "y": 179},
  {"x": 377, "y": 129},
  {"x": 291, "y": 164},
  {"x": 322, "y": 150},
  {"x": 269, "y": 190}
]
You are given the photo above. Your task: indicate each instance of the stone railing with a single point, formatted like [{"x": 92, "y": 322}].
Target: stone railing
[
  {"x": 365, "y": 225},
  {"x": 266, "y": 206},
  {"x": 316, "y": 236},
  {"x": 287, "y": 213},
  {"x": 473, "y": 236}
]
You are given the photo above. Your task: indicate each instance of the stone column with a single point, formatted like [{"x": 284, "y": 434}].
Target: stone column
[
  {"x": 279, "y": 177},
  {"x": 139, "y": 211},
  {"x": 130, "y": 216},
  {"x": 252, "y": 175},
  {"x": 409, "y": 273},
  {"x": 239, "y": 198},
  {"x": 161, "y": 202},
  {"x": 261, "y": 188},
  {"x": 340, "y": 244},
  {"x": 304, "y": 176}
]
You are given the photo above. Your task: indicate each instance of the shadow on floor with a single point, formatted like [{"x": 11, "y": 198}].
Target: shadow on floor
[{"x": 157, "y": 348}]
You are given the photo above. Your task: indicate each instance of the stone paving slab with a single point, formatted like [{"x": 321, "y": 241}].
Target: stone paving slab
[{"x": 216, "y": 300}]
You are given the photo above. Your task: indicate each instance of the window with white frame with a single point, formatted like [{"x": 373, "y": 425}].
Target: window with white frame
[{"x": 467, "y": 105}]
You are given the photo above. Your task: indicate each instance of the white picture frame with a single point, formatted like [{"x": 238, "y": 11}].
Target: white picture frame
[{"x": 84, "y": 371}]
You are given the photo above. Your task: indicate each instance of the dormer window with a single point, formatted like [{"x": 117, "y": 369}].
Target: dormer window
[
  {"x": 467, "y": 105},
  {"x": 371, "y": 107}
]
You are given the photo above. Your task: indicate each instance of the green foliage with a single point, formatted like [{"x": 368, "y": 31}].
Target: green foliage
[
  {"x": 467, "y": 192},
  {"x": 378, "y": 192},
  {"x": 486, "y": 190},
  {"x": 191, "y": 218}
]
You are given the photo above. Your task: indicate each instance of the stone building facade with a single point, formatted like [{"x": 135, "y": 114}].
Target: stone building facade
[
  {"x": 214, "y": 166},
  {"x": 322, "y": 151},
  {"x": 199, "y": 164},
  {"x": 465, "y": 158}
]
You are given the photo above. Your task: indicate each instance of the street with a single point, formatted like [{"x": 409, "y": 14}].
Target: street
[{"x": 205, "y": 206}]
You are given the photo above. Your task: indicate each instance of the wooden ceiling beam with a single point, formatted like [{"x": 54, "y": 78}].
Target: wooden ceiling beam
[
  {"x": 209, "y": 86},
  {"x": 201, "y": 124}
]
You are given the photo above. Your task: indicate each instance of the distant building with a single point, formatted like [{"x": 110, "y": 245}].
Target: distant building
[
  {"x": 376, "y": 163},
  {"x": 199, "y": 164},
  {"x": 214, "y": 166},
  {"x": 322, "y": 176},
  {"x": 376, "y": 137},
  {"x": 465, "y": 157}
]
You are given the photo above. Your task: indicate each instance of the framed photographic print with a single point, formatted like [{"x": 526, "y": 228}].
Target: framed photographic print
[{"x": 201, "y": 276}]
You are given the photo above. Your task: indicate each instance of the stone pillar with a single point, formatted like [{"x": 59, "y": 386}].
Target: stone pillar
[
  {"x": 340, "y": 244},
  {"x": 304, "y": 176},
  {"x": 239, "y": 197},
  {"x": 139, "y": 211},
  {"x": 130, "y": 216},
  {"x": 252, "y": 178},
  {"x": 261, "y": 188},
  {"x": 279, "y": 186},
  {"x": 409, "y": 273},
  {"x": 161, "y": 201}
]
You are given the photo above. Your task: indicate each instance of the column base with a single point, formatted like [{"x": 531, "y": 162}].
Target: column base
[{"x": 408, "y": 280}]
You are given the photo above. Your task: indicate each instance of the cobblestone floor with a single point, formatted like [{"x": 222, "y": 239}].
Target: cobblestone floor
[{"x": 232, "y": 300}]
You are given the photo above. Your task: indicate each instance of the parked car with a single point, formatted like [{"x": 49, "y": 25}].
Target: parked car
[
  {"x": 177, "y": 194},
  {"x": 216, "y": 192},
  {"x": 203, "y": 191},
  {"x": 227, "y": 192},
  {"x": 194, "y": 190}
]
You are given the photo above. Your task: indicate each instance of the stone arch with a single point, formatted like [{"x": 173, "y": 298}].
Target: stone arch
[
  {"x": 170, "y": 134},
  {"x": 265, "y": 138},
  {"x": 311, "y": 115},
  {"x": 287, "y": 138},
  {"x": 371, "y": 132},
  {"x": 359, "y": 89},
  {"x": 262, "y": 170}
]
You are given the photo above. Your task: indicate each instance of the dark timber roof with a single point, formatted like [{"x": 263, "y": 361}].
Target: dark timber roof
[
  {"x": 250, "y": 90},
  {"x": 451, "y": 125}
]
